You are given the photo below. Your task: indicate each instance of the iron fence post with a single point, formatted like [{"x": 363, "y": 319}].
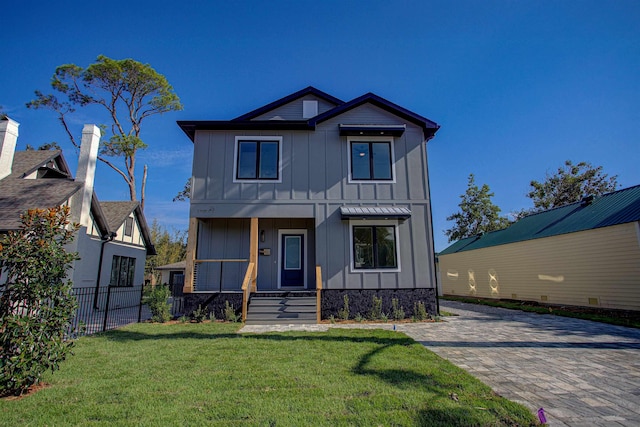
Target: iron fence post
[
  {"x": 140, "y": 303},
  {"x": 106, "y": 309}
]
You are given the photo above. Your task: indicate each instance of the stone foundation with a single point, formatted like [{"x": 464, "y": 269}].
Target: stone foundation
[
  {"x": 361, "y": 301},
  {"x": 215, "y": 302}
]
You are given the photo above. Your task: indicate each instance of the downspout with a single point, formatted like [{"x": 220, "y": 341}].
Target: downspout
[{"x": 105, "y": 239}]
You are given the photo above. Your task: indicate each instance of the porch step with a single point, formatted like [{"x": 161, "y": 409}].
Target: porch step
[{"x": 274, "y": 310}]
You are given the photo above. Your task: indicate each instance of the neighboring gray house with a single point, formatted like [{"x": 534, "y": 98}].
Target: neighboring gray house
[
  {"x": 313, "y": 192},
  {"x": 113, "y": 240}
]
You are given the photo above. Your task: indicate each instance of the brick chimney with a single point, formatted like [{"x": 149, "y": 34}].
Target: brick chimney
[
  {"x": 8, "y": 139},
  {"x": 81, "y": 204}
]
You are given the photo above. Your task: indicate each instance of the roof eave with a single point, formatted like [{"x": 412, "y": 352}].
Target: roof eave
[{"x": 190, "y": 127}]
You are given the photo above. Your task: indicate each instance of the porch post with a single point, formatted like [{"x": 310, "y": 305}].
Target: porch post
[
  {"x": 192, "y": 243},
  {"x": 253, "y": 255}
]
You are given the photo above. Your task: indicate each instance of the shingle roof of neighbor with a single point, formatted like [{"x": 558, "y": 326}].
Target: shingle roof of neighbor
[{"x": 618, "y": 207}]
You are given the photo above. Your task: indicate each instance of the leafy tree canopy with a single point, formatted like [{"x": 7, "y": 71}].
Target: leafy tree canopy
[
  {"x": 127, "y": 91},
  {"x": 569, "y": 185},
  {"x": 477, "y": 213},
  {"x": 170, "y": 247}
]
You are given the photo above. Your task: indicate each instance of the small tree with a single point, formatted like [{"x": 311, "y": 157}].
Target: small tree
[
  {"x": 36, "y": 306},
  {"x": 477, "y": 213},
  {"x": 569, "y": 185}
]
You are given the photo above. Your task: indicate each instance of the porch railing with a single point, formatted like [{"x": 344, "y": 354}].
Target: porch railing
[
  {"x": 246, "y": 290},
  {"x": 222, "y": 262},
  {"x": 318, "y": 291}
]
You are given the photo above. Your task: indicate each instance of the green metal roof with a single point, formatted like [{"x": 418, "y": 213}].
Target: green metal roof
[{"x": 614, "y": 208}]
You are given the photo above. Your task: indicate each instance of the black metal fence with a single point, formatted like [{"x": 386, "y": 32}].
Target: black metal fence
[{"x": 108, "y": 308}]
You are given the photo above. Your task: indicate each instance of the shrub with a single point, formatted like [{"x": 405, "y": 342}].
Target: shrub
[
  {"x": 36, "y": 302},
  {"x": 420, "y": 311},
  {"x": 157, "y": 298},
  {"x": 359, "y": 318},
  {"x": 376, "y": 308},
  {"x": 343, "y": 313},
  {"x": 230, "y": 314},
  {"x": 199, "y": 315},
  {"x": 397, "y": 313}
]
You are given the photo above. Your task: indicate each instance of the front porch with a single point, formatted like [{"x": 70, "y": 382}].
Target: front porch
[{"x": 233, "y": 260}]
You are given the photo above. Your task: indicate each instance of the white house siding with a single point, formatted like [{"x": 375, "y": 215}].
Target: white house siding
[
  {"x": 599, "y": 267},
  {"x": 314, "y": 184}
]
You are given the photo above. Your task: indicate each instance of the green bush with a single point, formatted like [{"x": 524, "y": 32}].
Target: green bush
[
  {"x": 343, "y": 313},
  {"x": 230, "y": 314},
  {"x": 420, "y": 311},
  {"x": 36, "y": 302},
  {"x": 397, "y": 313},
  {"x": 199, "y": 315},
  {"x": 157, "y": 298},
  {"x": 376, "y": 308}
]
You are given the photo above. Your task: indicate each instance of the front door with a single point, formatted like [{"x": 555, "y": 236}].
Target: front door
[{"x": 292, "y": 259}]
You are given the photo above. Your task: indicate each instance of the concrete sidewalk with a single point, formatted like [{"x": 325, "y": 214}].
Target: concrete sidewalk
[{"x": 582, "y": 373}]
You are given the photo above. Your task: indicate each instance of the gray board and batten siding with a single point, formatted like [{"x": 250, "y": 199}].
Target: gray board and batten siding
[{"x": 314, "y": 185}]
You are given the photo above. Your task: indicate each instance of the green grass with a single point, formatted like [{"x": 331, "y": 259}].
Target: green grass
[
  {"x": 613, "y": 317},
  {"x": 206, "y": 374}
]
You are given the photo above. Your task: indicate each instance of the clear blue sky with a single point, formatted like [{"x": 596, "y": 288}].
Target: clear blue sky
[{"x": 517, "y": 86}]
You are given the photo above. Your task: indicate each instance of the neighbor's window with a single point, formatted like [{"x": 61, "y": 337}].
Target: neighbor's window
[
  {"x": 258, "y": 159},
  {"x": 374, "y": 247},
  {"x": 123, "y": 270},
  {"x": 371, "y": 160},
  {"x": 128, "y": 226}
]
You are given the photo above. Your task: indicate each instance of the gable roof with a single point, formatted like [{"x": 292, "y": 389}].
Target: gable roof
[
  {"x": 429, "y": 127},
  {"x": 17, "y": 194},
  {"x": 618, "y": 207},
  {"x": 245, "y": 122},
  {"x": 310, "y": 90},
  {"x": 116, "y": 213}
]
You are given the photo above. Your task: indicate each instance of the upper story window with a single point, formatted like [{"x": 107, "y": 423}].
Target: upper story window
[
  {"x": 128, "y": 227},
  {"x": 257, "y": 158},
  {"x": 371, "y": 159}
]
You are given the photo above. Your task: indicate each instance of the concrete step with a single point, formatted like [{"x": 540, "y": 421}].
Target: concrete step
[
  {"x": 286, "y": 301},
  {"x": 273, "y": 310}
]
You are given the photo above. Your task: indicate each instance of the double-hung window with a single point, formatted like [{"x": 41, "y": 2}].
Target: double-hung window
[
  {"x": 374, "y": 247},
  {"x": 371, "y": 159},
  {"x": 258, "y": 158}
]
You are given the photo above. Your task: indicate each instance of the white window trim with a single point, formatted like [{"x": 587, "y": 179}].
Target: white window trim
[
  {"x": 256, "y": 138},
  {"x": 305, "y": 251},
  {"x": 390, "y": 140},
  {"x": 374, "y": 222}
]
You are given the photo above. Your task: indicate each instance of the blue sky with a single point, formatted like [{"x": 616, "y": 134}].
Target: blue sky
[{"x": 518, "y": 87}]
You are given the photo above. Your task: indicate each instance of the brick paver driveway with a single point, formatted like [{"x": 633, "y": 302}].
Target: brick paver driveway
[{"x": 582, "y": 373}]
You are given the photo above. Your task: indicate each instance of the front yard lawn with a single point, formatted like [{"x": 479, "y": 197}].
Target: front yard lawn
[{"x": 207, "y": 374}]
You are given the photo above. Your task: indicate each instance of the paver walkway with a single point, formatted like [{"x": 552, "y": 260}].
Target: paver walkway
[{"x": 582, "y": 373}]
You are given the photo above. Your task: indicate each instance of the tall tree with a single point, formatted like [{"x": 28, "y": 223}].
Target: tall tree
[
  {"x": 569, "y": 185},
  {"x": 128, "y": 91},
  {"x": 477, "y": 213}
]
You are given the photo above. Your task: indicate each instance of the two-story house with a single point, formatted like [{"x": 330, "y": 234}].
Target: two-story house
[
  {"x": 113, "y": 240},
  {"x": 312, "y": 192}
]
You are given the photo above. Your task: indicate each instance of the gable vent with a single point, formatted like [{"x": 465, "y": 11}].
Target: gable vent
[{"x": 309, "y": 109}]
